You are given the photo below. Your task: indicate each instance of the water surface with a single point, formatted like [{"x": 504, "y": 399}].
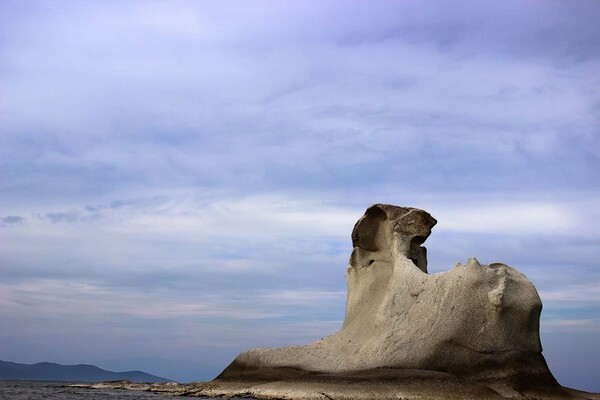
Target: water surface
[{"x": 38, "y": 390}]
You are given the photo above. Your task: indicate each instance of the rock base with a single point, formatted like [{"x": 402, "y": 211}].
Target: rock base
[{"x": 379, "y": 384}]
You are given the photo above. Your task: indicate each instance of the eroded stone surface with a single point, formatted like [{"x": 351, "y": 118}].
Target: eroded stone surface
[{"x": 475, "y": 321}]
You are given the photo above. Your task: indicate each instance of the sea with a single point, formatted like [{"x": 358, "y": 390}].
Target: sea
[{"x": 38, "y": 390}]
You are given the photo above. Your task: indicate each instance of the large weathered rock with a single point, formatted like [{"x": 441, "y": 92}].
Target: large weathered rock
[{"x": 475, "y": 324}]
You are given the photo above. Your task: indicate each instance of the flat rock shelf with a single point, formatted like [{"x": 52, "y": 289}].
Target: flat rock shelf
[{"x": 376, "y": 384}]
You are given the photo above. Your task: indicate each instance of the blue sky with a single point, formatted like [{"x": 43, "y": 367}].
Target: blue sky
[{"x": 178, "y": 180}]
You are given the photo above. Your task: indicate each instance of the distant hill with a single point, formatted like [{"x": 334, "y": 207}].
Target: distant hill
[{"x": 46, "y": 371}]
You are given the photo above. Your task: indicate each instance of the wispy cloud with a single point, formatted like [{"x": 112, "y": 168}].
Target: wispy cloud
[
  {"x": 58, "y": 298},
  {"x": 567, "y": 294},
  {"x": 571, "y": 325}
]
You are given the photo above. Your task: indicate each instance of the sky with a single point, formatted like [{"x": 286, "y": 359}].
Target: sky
[{"x": 179, "y": 180}]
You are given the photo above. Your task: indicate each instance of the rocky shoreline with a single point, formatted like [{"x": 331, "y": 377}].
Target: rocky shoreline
[{"x": 366, "y": 385}]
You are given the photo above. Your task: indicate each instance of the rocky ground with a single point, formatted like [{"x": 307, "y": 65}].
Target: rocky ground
[{"x": 372, "y": 385}]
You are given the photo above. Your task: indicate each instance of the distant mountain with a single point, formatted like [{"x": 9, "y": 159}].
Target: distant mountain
[{"x": 46, "y": 371}]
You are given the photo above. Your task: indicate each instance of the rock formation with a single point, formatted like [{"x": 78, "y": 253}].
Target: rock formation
[{"x": 471, "y": 332}]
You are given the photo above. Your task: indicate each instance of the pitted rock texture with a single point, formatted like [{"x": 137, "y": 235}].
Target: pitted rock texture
[{"x": 475, "y": 322}]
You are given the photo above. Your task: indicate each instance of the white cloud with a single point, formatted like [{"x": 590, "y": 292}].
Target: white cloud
[
  {"x": 570, "y": 325},
  {"x": 172, "y": 233},
  {"x": 569, "y": 295},
  {"x": 58, "y": 299}
]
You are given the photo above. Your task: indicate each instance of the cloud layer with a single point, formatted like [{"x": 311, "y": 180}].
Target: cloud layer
[{"x": 184, "y": 176}]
